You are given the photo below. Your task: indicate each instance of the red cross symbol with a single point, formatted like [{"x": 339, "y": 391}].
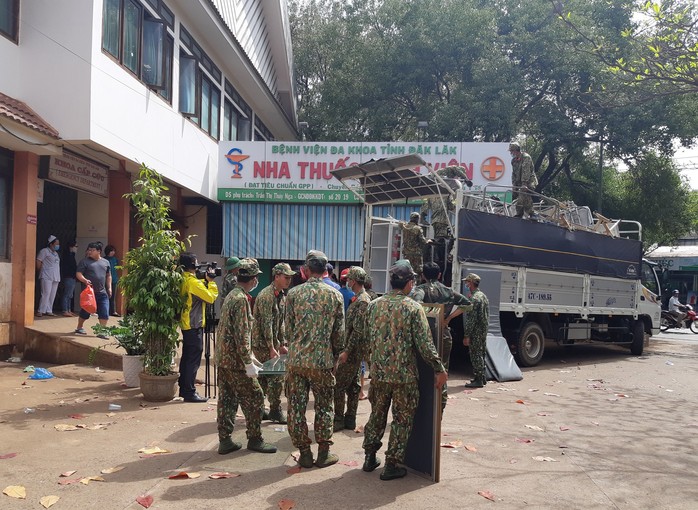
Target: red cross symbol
[{"x": 492, "y": 168}]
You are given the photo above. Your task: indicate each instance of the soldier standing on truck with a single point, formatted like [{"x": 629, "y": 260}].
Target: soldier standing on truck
[
  {"x": 441, "y": 208},
  {"x": 413, "y": 242},
  {"x": 523, "y": 180},
  {"x": 475, "y": 330}
]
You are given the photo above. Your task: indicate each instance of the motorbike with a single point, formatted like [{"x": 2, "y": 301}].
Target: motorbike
[{"x": 668, "y": 320}]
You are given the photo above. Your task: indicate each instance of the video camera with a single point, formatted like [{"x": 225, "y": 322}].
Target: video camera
[{"x": 208, "y": 267}]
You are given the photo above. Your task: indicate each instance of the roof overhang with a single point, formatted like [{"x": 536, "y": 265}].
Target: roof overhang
[{"x": 392, "y": 180}]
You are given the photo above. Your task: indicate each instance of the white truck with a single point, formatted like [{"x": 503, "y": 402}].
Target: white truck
[{"x": 565, "y": 278}]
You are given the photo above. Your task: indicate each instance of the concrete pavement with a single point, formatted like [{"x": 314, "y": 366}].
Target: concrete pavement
[{"x": 591, "y": 427}]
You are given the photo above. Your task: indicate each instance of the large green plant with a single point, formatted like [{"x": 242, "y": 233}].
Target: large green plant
[{"x": 153, "y": 280}]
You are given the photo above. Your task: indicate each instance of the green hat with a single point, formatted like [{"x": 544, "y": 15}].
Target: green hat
[
  {"x": 282, "y": 268},
  {"x": 513, "y": 146},
  {"x": 317, "y": 258},
  {"x": 357, "y": 274},
  {"x": 472, "y": 277},
  {"x": 232, "y": 263},
  {"x": 249, "y": 267},
  {"x": 402, "y": 269},
  {"x": 414, "y": 216}
]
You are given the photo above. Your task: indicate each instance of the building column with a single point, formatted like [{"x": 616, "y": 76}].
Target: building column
[
  {"x": 23, "y": 253},
  {"x": 119, "y": 217}
]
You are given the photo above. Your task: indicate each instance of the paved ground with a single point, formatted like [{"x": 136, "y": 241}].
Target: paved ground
[{"x": 617, "y": 431}]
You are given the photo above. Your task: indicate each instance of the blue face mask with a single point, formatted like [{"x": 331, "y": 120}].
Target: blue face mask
[{"x": 56, "y": 247}]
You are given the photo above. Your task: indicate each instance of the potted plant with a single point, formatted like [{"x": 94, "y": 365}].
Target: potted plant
[
  {"x": 152, "y": 284},
  {"x": 128, "y": 334}
]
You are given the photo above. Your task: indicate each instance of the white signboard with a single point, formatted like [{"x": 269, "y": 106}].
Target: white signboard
[
  {"x": 79, "y": 173},
  {"x": 299, "y": 172}
]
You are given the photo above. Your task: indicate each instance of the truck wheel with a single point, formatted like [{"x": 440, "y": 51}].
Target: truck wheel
[
  {"x": 530, "y": 346},
  {"x": 638, "y": 344}
]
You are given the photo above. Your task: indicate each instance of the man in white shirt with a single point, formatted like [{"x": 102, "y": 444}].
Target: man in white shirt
[{"x": 676, "y": 308}]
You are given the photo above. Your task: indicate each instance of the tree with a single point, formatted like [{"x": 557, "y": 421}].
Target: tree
[
  {"x": 481, "y": 70},
  {"x": 660, "y": 47}
]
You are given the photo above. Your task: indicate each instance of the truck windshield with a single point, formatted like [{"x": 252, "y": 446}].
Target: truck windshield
[{"x": 649, "y": 278}]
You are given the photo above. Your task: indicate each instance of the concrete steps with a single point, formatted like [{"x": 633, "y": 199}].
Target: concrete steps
[{"x": 51, "y": 340}]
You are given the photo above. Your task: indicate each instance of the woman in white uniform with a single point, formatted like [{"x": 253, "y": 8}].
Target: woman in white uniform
[{"x": 48, "y": 263}]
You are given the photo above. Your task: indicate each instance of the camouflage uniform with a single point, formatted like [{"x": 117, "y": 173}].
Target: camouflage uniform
[
  {"x": 413, "y": 243},
  {"x": 229, "y": 282},
  {"x": 269, "y": 332},
  {"x": 476, "y": 324},
  {"x": 523, "y": 174},
  {"x": 398, "y": 330},
  {"x": 232, "y": 354},
  {"x": 315, "y": 331},
  {"x": 439, "y": 215},
  {"x": 348, "y": 372},
  {"x": 436, "y": 292}
]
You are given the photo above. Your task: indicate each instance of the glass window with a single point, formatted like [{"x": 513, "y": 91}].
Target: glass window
[
  {"x": 205, "y": 104},
  {"x": 166, "y": 91},
  {"x": 215, "y": 112},
  {"x": 230, "y": 121},
  {"x": 132, "y": 35},
  {"x": 9, "y": 19},
  {"x": 111, "y": 27},
  {"x": 153, "y": 72},
  {"x": 187, "y": 85}
]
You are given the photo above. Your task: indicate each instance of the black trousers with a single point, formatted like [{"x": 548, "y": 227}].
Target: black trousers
[{"x": 192, "y": 348}]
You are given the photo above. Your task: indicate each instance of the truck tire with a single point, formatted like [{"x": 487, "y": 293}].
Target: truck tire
[
  {"x": 638, "y": 344},
  {"x": 530, "y": 345}
]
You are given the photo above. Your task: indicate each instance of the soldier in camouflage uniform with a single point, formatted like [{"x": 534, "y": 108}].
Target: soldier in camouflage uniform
[
  {"x": 475, "y": 330},
  {"x": 356, "y": 348},
  {"x": 398, "y": 331},
  {"x": 315, "y": 332},
  {"x": 268, "y": 334},
  {"x": 413, "y": 242},
  {"x": 523, "y": 179},
  {"x": 442, "y": 208},
  {"x": 237, "y": 367},
  {"x": 368, "y": 286},
  {"x": 433, "y": 291},
  {"x": 232, "y": 266}
]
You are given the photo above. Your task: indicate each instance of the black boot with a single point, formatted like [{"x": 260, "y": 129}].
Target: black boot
[
  {"x": 350, "y": 422},
  {"x": 391, "y": 471},
  {"x": 476, "y": 383},
  {"x": 371, "y": 462}
]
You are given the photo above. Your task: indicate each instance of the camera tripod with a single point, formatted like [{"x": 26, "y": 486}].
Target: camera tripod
[{"x": 210, "y": 345}]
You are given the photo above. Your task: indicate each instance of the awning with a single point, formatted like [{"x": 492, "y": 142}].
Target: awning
[{"x": 391, "y": 180}]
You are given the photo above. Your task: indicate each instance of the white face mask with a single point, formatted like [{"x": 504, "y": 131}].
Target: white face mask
[{"x": 256, "y": 283}]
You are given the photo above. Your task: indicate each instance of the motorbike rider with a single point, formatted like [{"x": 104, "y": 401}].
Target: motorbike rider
[{"x": 676, "y": 308}]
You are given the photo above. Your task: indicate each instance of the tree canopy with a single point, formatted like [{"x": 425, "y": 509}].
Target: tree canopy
[{"x": 494, "y": 70}]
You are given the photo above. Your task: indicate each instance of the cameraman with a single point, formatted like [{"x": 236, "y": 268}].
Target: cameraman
[{"x": 197, "y": 293}]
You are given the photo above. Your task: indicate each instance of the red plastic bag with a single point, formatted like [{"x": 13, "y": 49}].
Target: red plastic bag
[{"x": 88, "y": 301}]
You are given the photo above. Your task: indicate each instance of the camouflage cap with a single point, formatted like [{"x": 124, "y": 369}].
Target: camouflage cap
[
  {"x": 513, "y": 146},
  {"x": 357, "y": 274},
  {"x": 232, "y": 263},
  {"x": 249, "y": 267},
  {"x": 282, "y": 268},
  {"x": 472, "y": 277},
  {"x": 317, "y": 257},
  {"x": 414, "y": 216},
  {"x": 402, "y": 269}
]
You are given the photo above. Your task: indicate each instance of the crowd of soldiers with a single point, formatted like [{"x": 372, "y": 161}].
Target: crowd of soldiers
[{"x": 324, "y": 348}]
